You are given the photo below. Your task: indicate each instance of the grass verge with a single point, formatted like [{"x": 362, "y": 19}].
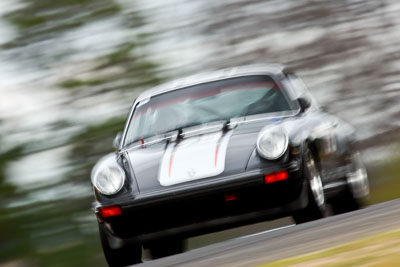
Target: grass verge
[{"x": 379, "y": 250}]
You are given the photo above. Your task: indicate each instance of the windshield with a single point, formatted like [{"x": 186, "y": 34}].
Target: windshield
[{"x": 203, "y": 103}]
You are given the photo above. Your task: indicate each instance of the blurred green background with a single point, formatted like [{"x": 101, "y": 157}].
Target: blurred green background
[{"x": 70, "y": 69}]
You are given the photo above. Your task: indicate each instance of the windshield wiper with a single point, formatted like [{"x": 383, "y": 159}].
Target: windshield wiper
[
  {"x": 204, "y": 128},
  {"x": 187, "y": 131}
]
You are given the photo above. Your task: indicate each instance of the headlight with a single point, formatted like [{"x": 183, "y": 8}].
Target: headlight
[
  {"x": 108, "y": 177},
  {"x": 272, "y": 143}
]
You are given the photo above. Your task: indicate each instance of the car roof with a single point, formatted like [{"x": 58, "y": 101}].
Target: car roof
[{"x": 268, "y": 69}]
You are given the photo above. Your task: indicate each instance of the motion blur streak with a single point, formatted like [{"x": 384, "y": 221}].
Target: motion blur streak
[{"x": 69, "y": 70}]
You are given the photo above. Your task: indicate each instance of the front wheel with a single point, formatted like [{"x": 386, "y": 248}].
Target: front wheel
[
  {"x": 316, "y": 208},
  {"x": 127, "y": 255}
]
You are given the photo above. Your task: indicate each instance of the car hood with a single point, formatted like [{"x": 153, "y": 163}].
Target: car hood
[{"x": 192, "y": 159}]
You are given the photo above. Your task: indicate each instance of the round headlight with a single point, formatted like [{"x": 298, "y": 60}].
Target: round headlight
[
  {"x": 272, "y": 143},
  {"x": 108, "y": 177}
]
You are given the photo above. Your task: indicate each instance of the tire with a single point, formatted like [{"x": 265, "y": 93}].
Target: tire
[
  {"x": 316, "y": 207},
  {"x": 344, "y": 202},
  {"x": 356, "y": 191},
  {"x": 164, "y": 248},
  {"x": 127, "y": 255}
]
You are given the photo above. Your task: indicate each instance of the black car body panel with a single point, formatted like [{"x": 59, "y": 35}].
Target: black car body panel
[{"x": 238, "y": 195}]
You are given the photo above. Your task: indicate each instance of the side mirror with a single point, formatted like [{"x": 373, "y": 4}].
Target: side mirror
[
  {"x": 117, "y": 140},
  {"x": 304, "y": 103}
]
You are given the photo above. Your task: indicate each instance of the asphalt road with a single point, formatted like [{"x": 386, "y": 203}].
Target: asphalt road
[{"x": 290, "y": 241}]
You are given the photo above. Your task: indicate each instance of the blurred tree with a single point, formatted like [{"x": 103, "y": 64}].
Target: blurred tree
[
  {"x": 54, "y": 229},
  {"x": 40, "y": 20}
]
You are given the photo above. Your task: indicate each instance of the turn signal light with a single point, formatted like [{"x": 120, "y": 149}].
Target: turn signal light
[
  {"x": 276, "y": 177},
  {"x": 110, "y": 211}
]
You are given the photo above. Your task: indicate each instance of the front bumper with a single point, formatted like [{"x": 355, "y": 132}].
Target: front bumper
[{"x": 201, "y": 210}]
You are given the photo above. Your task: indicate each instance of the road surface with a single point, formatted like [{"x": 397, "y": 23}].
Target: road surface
[{"x": 292, "y": 240}]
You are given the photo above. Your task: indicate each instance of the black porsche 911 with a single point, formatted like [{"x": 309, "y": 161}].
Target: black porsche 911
[{"x": 221, "y": 150}]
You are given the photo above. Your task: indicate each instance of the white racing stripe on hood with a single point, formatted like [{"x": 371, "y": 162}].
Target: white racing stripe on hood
[{"x": 194, "y": 158}]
